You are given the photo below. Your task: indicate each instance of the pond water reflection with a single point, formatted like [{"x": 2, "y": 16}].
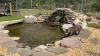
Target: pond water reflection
[{"x": 35, "y": 34}]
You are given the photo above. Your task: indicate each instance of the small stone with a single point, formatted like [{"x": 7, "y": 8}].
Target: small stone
[
  {"x": 57, "y": 43},
  {"x": 28, "y": 47}
]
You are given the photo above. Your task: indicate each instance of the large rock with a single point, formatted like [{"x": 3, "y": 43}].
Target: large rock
[{"x": 29, "y": 19}]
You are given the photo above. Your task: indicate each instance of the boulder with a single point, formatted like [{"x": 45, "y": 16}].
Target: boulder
[{"x": 29, "y": 19}]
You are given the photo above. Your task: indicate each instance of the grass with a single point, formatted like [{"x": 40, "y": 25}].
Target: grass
[
  {"x": 35, "y": 12},
  {"x": 8, "y": 18},
  {"x": 24, "y": 12},
  {"x": 94, "y": 25}
]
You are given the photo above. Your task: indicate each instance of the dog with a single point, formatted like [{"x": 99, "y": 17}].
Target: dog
[{"x": 75, "y": 30}]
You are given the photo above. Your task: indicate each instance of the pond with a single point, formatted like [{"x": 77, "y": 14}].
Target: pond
[{"x": 35, "y": 34}]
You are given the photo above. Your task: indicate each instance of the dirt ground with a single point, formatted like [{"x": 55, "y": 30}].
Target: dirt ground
[{"x": 90, "y": 47}]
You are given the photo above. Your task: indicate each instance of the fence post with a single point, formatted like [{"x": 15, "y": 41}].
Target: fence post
[{"x": 10, "y": 8}]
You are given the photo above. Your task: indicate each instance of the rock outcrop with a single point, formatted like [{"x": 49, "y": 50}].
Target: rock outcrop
[{"x": 65, "y": 15}]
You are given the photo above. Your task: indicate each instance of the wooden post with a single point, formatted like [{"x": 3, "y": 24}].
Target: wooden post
[{"x": 10, "y": 6}]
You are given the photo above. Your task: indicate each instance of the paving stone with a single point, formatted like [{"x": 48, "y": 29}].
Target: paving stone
[
  {"x": 3, "y": 39},
  {"x": 12, "y": 50},
  {"x": 86, "y": 35},
  {"x": 43, "y": 54},
  {"x": 3, "y": 35},
  {"x": 10, "y": 43},
  {"x": 57, "y": 50},
  {"x": 25, "y": 52}
]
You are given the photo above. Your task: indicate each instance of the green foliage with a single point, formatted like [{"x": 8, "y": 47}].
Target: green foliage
[
  {"x": 96, "y": 5},
  {"x": 88, "y": 5}
]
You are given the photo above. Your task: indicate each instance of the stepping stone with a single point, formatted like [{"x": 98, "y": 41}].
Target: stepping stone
[
  {"x": 25, "y": 52},
  {"x": 57, "y": 50},
  {"x": 9, "y": 43},
  {"x": 12, "y": 50},
  {"x": 43, "y": 54},
  {"x": 70, "y": 42},
  {"x": 94, "y": 41},
  {"x": 84, "y": 34}
]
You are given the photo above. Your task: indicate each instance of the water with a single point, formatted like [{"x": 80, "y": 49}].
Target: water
[{"x": 35, "y": 34}]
